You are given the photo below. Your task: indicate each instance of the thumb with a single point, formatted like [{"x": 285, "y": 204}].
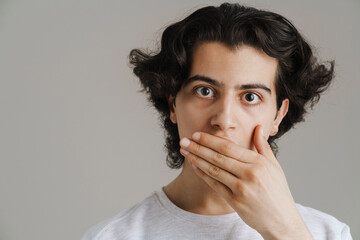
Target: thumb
[{"x": 260, "y": 142}]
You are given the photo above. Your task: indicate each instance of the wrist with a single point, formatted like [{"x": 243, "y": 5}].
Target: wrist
[{"x": 294, "y": 232}]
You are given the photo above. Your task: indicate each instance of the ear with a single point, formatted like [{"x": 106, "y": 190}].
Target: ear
[
  {"x": 171, "y": 104},
  {"x": 279, "y": 116}
]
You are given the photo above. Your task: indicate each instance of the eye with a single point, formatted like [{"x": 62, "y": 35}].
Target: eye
[
  {"x": 205, "y": 92},
  {"x": 251, "y": 98}
]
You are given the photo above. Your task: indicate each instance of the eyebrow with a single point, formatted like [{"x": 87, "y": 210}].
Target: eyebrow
[{"x": 220, "y": 85}]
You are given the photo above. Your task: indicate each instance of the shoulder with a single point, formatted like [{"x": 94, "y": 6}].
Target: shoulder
[
  {"x": 125, "y": 220},
  {"x": 323, "y": 225}
]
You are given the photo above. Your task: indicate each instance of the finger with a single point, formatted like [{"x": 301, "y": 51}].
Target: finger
[
  {"x": 225, "y": 147},
  {"x": 211, "y": 170},
  {"x": 228, "y": 164},
  {"x": 217, "y": 186},
  {"x": 261, "y": 144}
]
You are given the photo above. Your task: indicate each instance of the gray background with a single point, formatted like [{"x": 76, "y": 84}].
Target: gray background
[{"x": 79, "y": 143}]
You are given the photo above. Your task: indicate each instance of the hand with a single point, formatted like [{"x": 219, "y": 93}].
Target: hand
[{"x": 253, "y": 183}]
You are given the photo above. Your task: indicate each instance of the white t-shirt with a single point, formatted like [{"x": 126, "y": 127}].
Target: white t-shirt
[{"x": 157, "y": 218}]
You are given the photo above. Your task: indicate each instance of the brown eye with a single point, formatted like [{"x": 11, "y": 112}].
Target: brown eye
[
  {"x": 251, "y": 98},
  {"x": 205, "y": 92}
]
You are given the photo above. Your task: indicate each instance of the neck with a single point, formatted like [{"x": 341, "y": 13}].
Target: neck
[{"x": 191, "y": 193}]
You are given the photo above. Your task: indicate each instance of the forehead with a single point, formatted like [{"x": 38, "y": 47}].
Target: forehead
[{"x": 234, "y": 67}]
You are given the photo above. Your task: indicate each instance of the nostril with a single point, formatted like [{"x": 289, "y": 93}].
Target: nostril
[{"x": 223, "y": 124}]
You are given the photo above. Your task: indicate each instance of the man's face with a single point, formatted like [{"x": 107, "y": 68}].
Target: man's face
[{"x": 229, "y": 93}]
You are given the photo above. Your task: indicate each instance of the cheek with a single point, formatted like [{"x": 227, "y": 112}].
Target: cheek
[
  {"x": 267, "y": 123},
  {"x": 248, "y": 125},
  {"x": 189, "y": 120},
  {"x": 246, "y": 134}
]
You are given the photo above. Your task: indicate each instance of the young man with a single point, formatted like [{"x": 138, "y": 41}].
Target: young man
[{"x": 227, "y": 82}]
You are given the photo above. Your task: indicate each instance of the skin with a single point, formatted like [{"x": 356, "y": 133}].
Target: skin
[{"x": 225, "y": 115}]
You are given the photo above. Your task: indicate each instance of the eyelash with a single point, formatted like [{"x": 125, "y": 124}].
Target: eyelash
[
  {"x": 213, "y": 91},
  {"x": 200, "y": 87}
]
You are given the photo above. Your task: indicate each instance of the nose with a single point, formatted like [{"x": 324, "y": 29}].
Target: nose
[{"x": 223, "y": 117}]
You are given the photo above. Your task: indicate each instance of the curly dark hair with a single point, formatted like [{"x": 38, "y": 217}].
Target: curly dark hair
[{"x": 300, "y": 78}]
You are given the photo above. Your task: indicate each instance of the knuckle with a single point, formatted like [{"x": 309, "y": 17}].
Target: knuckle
[
  {"x": 239, "y": 186},
  {"x": 240, "y": 189},
  {"x": 219, "y": 159},
  {"x": 252, "y": 174},
  {"x": 196, "y": 148},
  {"x": 194, "y": 158},
  {"x": 214, "y": 171},
  {"x": 191, "y": 157}
]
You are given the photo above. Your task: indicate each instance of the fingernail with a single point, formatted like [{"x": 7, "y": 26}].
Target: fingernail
[
  {"x": 183, "y": 151},
  {"x": 196, "y": 136},
  {"x": 184, "y": 142}
]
